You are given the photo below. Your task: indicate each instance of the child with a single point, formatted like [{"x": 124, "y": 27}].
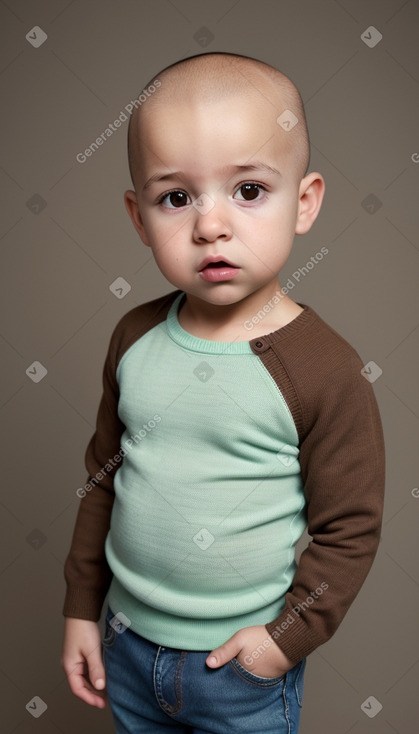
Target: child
[{"x": 231, "y": 419}]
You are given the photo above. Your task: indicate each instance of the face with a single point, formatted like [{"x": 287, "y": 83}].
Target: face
[{"x": 218, "y": 181}]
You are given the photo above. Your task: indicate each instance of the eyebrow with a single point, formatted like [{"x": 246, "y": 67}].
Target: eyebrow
[{"x": 256, "y": 166}]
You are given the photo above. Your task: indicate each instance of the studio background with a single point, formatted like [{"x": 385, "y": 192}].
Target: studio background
[{"x": 66, "y": 239}]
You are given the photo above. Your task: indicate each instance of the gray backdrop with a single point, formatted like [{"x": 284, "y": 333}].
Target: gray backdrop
[{"x": 66, "y": 239}]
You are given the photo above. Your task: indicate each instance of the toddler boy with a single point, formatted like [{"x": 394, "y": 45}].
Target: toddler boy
[{"x": 231, "y": 419}]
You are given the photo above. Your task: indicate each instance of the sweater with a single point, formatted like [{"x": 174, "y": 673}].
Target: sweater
[{"x": 208, "y": 461}]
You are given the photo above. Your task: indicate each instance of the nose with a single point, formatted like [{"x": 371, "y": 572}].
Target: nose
[{"x": 210, "y": 221}]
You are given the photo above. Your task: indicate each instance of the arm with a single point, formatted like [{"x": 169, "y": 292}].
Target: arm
[
  {"x": 87, "y": 573},
  {"x": 342, "y": 465},
  {"x": 86, "y": 570}
]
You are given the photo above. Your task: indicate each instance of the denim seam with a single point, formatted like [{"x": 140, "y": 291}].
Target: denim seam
[
  {"x": 254, "y": 680},
  {"x": 286, "y": 706},
  {"x": 297, "y": 683},
  {"x": 164, "y": 705}
]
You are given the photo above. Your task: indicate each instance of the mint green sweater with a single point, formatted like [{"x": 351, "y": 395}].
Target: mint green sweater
[
  {"x": 209, "y": 502},
  {"x": 207, "y": 461}
]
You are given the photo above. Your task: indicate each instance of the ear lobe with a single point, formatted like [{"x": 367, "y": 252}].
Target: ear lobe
[
  {"x": 131, "y": 206},
  {"x": 312, "y": 189}
]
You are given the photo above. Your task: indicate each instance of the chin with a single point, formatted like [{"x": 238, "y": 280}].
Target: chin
[{"x": 218, "y": 296}]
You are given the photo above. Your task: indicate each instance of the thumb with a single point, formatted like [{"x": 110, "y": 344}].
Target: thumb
[
  {"x": 96, "y": 669},
  {"x": 224, "y": 653}
]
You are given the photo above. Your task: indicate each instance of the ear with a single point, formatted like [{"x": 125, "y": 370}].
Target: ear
[
  {"x": 131, "y": 206},
  {"x": 312, "y": 188}
]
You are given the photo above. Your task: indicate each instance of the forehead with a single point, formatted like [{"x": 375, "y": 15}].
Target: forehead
[{"x": 203, "y": 134}]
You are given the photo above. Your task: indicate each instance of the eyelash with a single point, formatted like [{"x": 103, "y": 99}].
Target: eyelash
[{"x": 164, "y": 196}]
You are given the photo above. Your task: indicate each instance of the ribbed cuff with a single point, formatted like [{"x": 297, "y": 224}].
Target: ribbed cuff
[
  {"x": 83, "y": 604},
  {"x": 292, "y": 636}
]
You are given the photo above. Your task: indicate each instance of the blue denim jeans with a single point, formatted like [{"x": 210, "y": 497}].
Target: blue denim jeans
[{"x": 165, "y": 690}]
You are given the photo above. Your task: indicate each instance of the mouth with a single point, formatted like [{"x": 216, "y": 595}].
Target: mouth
[
  {"x": 216, "y": 268},
  {"x": 215, "y": 261}
]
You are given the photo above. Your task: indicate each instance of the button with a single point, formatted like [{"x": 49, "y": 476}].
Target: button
[{"x": 259, "y": 345}]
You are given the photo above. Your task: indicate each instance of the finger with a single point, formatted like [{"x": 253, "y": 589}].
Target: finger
[
  {"x": 82, "y": 688},
  {"x": 96, "y": 668},
  {"x": 224, "y": 653}
]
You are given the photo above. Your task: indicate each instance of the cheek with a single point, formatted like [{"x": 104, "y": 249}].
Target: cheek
[
  {"x": 270, "y": 239},
  {"x": 166, "y": 248},
  {"x": 274, "y": 227},
  {"x": 164, "y": 227},
  {"x": 159, "y": 233}
]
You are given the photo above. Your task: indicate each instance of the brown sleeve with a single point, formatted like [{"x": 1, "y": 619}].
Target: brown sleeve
[
  {"x": 86, "y": 570},
  {"x": 342, "y": 466}
]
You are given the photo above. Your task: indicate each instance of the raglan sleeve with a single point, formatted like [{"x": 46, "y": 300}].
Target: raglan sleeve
[
  {"x": 86, "y": 570},
  {"x": 342, "y": 463}
]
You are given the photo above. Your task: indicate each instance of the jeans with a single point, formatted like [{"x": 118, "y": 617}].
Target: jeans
[{"x": 166, "y": 690}]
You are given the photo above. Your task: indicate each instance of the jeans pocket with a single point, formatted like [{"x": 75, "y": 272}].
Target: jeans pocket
[
  {"x": 110, "y": 632},
  {"x": 299, "y": 681},
  {"x": 256, "y": 680}
]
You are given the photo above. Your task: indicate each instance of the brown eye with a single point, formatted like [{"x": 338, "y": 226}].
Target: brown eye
[
  {"x": 178, "y": 199},
  {"x": 175, "y": 199},
  {"x": 249, "y": 192}
]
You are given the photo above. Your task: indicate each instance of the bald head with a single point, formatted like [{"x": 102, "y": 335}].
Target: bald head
[{"x": 208, "y": 78}]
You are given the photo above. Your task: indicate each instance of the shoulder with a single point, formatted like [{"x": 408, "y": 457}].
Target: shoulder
[
  {"x": 323, "y": 348},
  {"x": 327, "y": 368},
  {"x": 308, "y": 341},
  {"x": 315, "y": 368},
  {"x": 136, "y": 322}
]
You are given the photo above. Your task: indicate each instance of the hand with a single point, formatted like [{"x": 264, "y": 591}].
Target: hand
[
  {"x": 82, "y": 661},
  {"x": 255, "y": 650}
]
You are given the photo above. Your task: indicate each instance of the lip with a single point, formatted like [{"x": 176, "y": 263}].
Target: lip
[
  {"x": 217, "y": 275},
  {"x": 215, "y": 259}
]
